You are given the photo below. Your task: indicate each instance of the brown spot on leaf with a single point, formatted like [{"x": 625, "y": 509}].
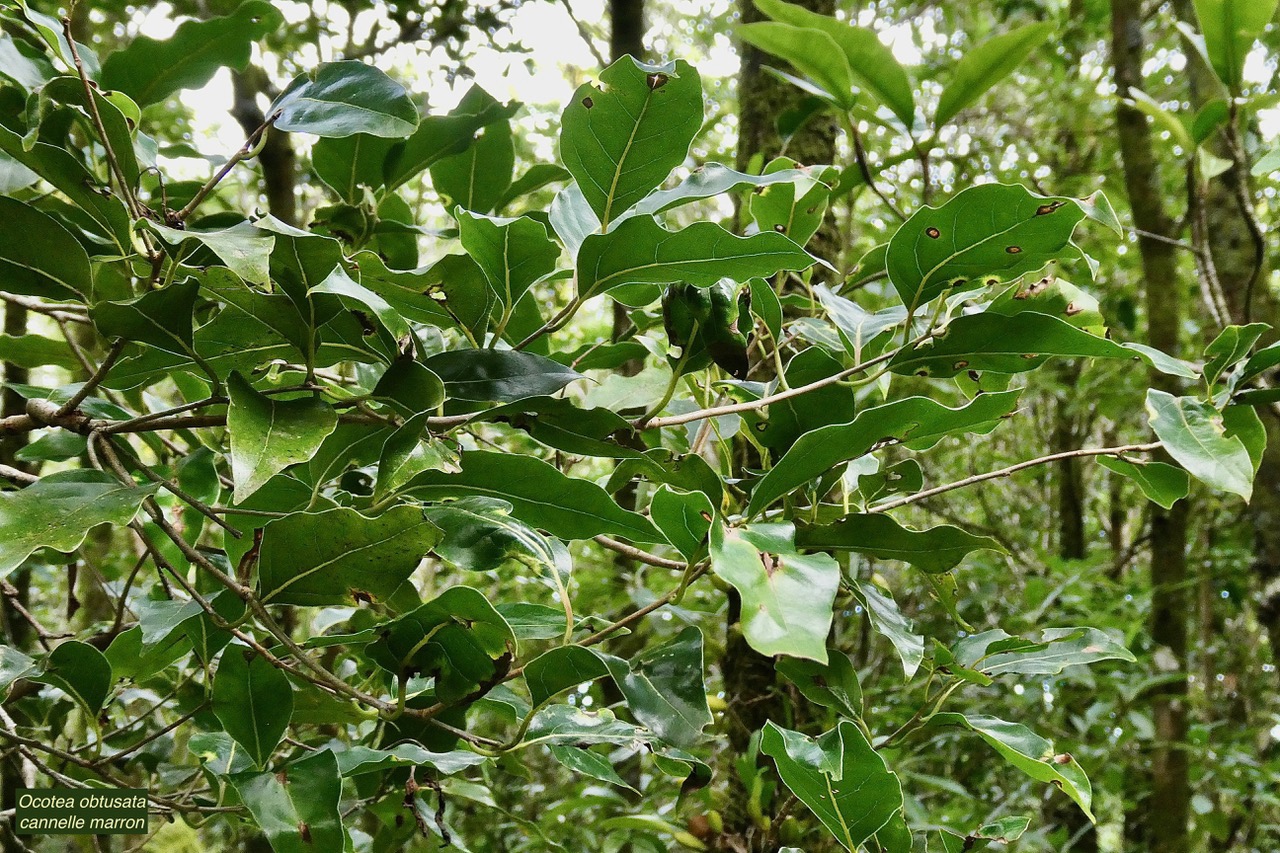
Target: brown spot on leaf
[
  {"x": 1073, "y": 309},
  {"x": 770, "y": 563},
  {"x": 588, "y": 103},
  {"x": 1046, "y": 209},
  {"x": 934, "y": 233},
  {"x": 780, "y": 228},
  {"x": 304, "y": 831},
  {"x": 960, "y": 365},
  {"x": 1014, "y": 250},
  {"x": 706, "y": 516},
  {"x": 359, "y": 596},
  {"x": 656, "y": 81}
]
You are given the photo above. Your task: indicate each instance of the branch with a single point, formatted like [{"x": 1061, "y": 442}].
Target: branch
[
  {"x": 1005, "y": 472},
  {"x": 94, "y": 381}
]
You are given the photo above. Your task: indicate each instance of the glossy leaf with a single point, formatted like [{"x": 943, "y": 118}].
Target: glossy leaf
[
  {"x": 161, "y": 318},
  {"x": 149, "y": 70},
  {"x": 1161, "y": 482},
  {"x": 786, "y": 596},
  {"x": 542, "y": 496},
  {"x": 457, "y": 638},
  {"x": 498, "y": 375},
  {"x": 480, "y": 534},
  {"x": 253, "y": 700},
  {"x": 996, "y": 653},
  {"x": 988, "y": 233},
  {"x": 1194, "y": 435},
  {"x": 340, "y": 556},
  {"x": 59, "y": 511},
  {"x": 987, "y": 64},
  {"x": 917, "y": 421},
  {"x": 640, "y": 251},
  {"x": 80, "y": 671},
  {"x": 935, "y": 550},
  {"x": 442, "y": 136},
  {"x": 1028, "y": 752},
  {"x": 889, "y": 621},
  {"x": 269, "y": 435},
  {"x": 297, "y": 808},
  {"x": 344, "y": 98},
  {"x": 684, "y": 518},
  {"x": 477, "y": 178},
  {"x": 839, "y": 777},
  {"x": 1001, "y": 344},
  {"x": 621, "y": 139}
]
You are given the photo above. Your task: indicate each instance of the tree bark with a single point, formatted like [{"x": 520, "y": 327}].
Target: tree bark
[
  {"x": 278, "y": 159},
  {"x": 1158, "y": 822},
  {"x": 752, "y": 691},
  {"x": 626, "y": 38}
]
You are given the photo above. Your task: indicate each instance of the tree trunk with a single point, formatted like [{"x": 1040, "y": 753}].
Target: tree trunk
[
  {"x": 278, "y": 160},
  {"x": 752, "y": 692},
  {"x": 626, "y": 38},
  {"x": 1157, "y": 823}
]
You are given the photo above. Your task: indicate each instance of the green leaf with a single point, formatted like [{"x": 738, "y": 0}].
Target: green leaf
[
  {"x": 542, "y": 496},
  {"x": 684, "y": 518},
  {"x": 810, "y": 51},
  {"x": 1030, "y": 753},
  {"x": 833, "y": 684},
  {"x": 358, "y": 760},
  {"x": 59, "y": 510},
  {"x": 39, "y": 257},
  {"x": 889, "y": 621},
  {"x": 664, "y": 688},
  {"x": 485, "y": 375},
  {"x": 161, "y": 318},
  {"x": 711, "y": 180},
  {"x": 996, "y": 653},
  {"x": 988, "y": 64},
  {"x": 14, "y": 665},
  {"x": 793, "y": 208},
  {"x": 340, "y": 556},
  {"x": 1230, "y": 346},
  {"x": 935, "y": 550},
  {"x": 512, "y": 253},
  {"x": 352, "y": 163},
  {"x": 991, "y": 232},
  {"x": 872, "y": 64},
  {"x": 787, "y": 597},
  {"x": 477, "y": 178},
  {"x": 566, "y": 724},
  {"x": 297, "y": 808},
  {"x": 1230, "y": 28},
  {"x": 24, "y": 64},
  {"x": 253, "y": 700},
  {"x": 244, "y": 248},
  {"x": 559, "y": 669},
  {"x": 269, "y": 435},
  {"x": 1193, "y": 433},
  {"x": 149, "y": 70},
  {"x": 51, "y": 32},
  {"x": 457, "y": 638},
  {"x": 620, "y": 141},
  {"x": 839, "y": 777},
  {"x": 442, "y": 136},
  {"x": 588, "y": 763},
  {"x": 409, "y": 451},
  {"x": 66, "y": 173},
  {"x": 1160, "y": 482},
  {"x": 1001, "y": 344},
  {"x": 918, "y": 421},
  {"x": 80, "y": 671},
  {"x": 119, "y": 115},
  {"x": 480, "y": 535},
  {"x": 640, "y": 251},
  {"x": 343, "y": 98}
]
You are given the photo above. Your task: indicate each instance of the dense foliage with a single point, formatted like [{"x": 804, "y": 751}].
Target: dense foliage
[{"x": 362, "y": 528}]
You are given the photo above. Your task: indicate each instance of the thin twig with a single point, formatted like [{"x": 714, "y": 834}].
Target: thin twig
[
  {"x": 95, "y": 380},
  {"x": 1011, "y": 469}
]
